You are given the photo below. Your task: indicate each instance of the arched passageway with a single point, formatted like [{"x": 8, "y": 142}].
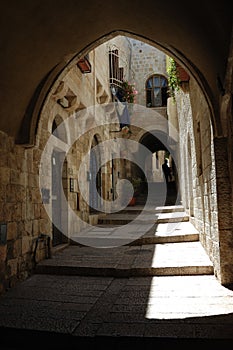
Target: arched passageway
[{"x": 44, "y": 66}]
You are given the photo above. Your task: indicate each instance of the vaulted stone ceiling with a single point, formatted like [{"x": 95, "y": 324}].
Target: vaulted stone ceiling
[{"x": 39, "y": 37}]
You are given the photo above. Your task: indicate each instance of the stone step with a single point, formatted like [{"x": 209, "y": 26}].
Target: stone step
[
  {"x": 157, "y": 201},
  {"x": 107, "y": 235},
  {"x": 169, "y": 209},
  {"x": 169, "y": 224},
  {"x": 186, "y": 258},
  {"x": 169, "y": 233},
  {"x": 145, "y": 218},
  {"x": 167, "y": 217},
  {"x": 170, "y": 246},
  {"x": 137, "y": 209}
]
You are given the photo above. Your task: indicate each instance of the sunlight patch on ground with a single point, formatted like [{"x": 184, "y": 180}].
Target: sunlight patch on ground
[{"x": 187, "y": 296}]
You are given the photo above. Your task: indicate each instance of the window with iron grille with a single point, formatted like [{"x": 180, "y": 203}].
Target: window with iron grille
[
  {"x": 116, "y": 72},
  {"x": 156, "y": 91}
]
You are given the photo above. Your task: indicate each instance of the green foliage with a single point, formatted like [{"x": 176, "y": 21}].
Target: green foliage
[
  {"x": 173, "y": 77},
  {"x": 129, "y": 91}
]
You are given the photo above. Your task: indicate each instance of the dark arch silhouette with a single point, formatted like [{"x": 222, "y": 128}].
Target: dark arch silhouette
[
  {"x": 158, "y": 141},
  {"x": 29, "y": 124}
]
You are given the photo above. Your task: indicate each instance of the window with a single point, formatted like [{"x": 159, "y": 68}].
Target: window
[
  {"x": 156, "y": 91},
  {"x": 116, "y": 72}
]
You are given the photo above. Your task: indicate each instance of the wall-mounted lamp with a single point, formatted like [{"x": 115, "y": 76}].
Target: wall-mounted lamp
[{"x": 84, "y": 65}]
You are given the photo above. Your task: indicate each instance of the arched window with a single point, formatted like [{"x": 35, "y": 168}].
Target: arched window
[{"x": 156, "y": 91}]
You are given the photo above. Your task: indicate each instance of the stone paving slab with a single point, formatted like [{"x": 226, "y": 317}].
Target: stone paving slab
[
  {"x": 169, "y": 209},
  {"x": 169, "y": 233},
  {"x": 137, "y": 209},
  {"x": 118, "y": 235},
  {"x": 181, "y": 228},
  {"x": 143, "y": 218},
  {"x": 151, "y": 259},
  {"x": 104, "y": 236},
  {"x": 154, "y": 307}
]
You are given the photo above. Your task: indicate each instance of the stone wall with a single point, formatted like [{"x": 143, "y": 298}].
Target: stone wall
[
  {"x": 21, "y": 211},
  {"x": 197, "y": 168},
  {"x": 224, "y": 172}
]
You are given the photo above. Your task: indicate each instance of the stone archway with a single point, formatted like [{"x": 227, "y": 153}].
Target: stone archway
[
  {"x": 39, "y": 73},
  {"x": 202, "y": 90}
]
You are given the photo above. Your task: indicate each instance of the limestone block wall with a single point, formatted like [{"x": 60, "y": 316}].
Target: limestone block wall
[
  {"x": 224, "y": 197},
  {"x": 22, "y": 212},
  {"x": 224, "y": 172},
  {"x": 145, "y": 61},
  {"x": 197, "y": 168}
]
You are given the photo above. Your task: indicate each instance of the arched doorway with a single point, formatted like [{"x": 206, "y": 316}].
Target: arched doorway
[{"x": 157, "y": 143}]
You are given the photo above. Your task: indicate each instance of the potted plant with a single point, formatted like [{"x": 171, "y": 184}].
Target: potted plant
[{"x": 129, "y": 92}]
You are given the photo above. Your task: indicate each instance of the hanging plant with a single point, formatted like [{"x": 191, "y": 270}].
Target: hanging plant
[
  {"x": 173, "y": 77},
  {"x": 129, "y": 91}
]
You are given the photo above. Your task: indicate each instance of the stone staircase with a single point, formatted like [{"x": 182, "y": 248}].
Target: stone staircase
[
  {"x": 157, "y": 198},
  {"x": 155, "y": 289},
  {"x": 162, "y": 242}
]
